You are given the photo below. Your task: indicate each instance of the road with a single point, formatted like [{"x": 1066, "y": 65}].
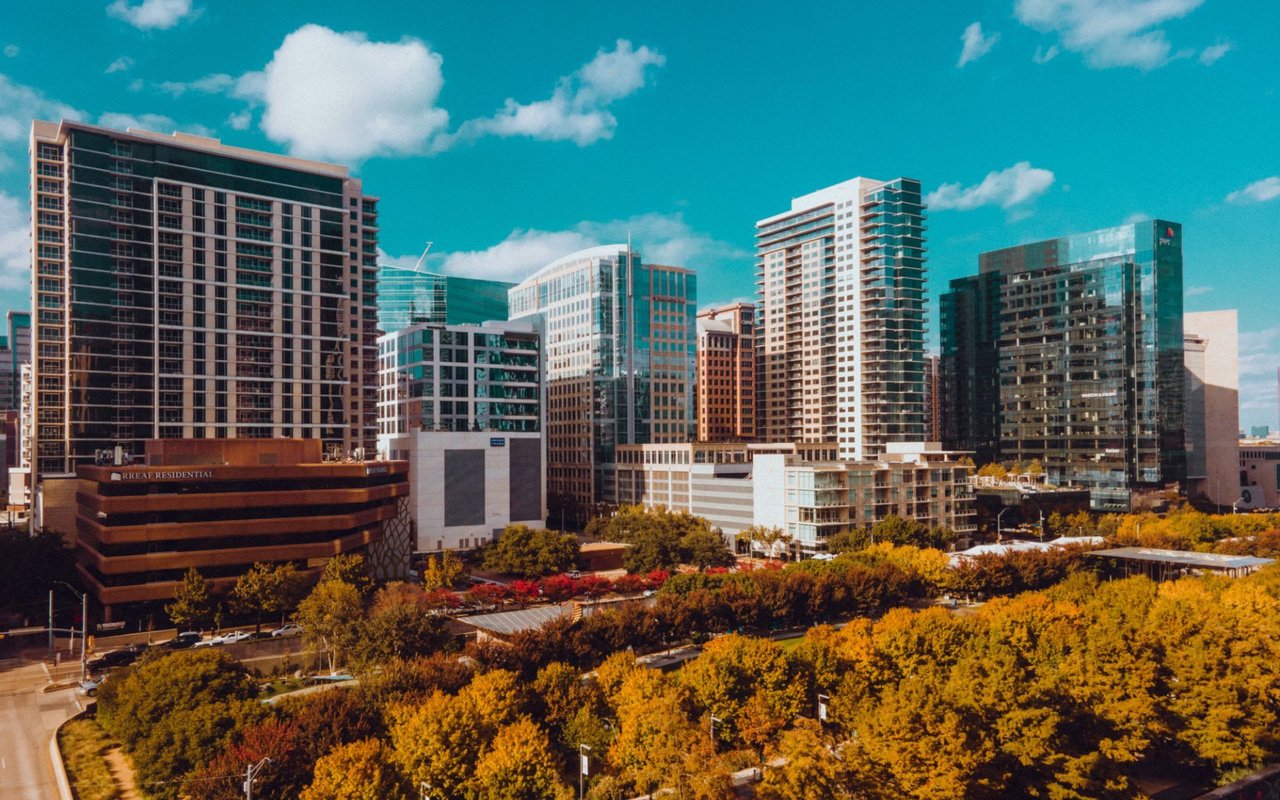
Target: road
[{"x": 28, "y": 718}]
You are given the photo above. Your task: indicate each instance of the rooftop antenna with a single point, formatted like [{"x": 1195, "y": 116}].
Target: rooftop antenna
[{"x": 422, "y": 257}]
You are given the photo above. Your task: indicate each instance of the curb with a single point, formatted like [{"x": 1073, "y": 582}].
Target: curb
[{"x": 59, "y": 769}]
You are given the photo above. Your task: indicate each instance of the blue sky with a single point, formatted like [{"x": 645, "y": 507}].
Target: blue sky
[{"x": 509, "y": 134}]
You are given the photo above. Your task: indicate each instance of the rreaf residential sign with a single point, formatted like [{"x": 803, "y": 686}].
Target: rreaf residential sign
[{"x": 170, "y": 475}]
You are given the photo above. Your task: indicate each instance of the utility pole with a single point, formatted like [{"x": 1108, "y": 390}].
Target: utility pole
[
  {"x": 584, "y": 765},
  {"x": 50, "y": 623}
]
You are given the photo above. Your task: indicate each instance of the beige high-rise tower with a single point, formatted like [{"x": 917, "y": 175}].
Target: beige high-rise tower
[
  {"x": 726, "y": 373},
  {"x": 183, "y": 288},
  {"x": 840, "y": 321}
]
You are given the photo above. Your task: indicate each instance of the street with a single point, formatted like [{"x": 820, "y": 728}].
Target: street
[{"x": 28, "y": 718}]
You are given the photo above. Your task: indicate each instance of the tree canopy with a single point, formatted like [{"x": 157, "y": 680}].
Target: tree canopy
[{"x": 527, "y": 553}]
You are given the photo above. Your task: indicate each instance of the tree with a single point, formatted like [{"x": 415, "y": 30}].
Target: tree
[
  {"x": 329, "y": 617},
  {"x": 705, "y": 547},
  {"x": 29, "y": 566},
  {"x": 437, "y": 741},
  {"x": 770, "y": 539},
  {"x": 1035, "y": 467},
  {"x": 361, "y": 770},
  {"x": 350, "y": 568},
  {"x": 528, "y": 553},
  {"x": 519, "y": 765},
  {"x": 897, "y": 530},
  {"x": 810, "y": 772},
  {"x": 400, "y": 625},
  {"x": 192, "y": 608},
  {"x": 442, "y": 571},
  {"x": 996, "y": 471},
  {"x": 267, "y": 589}
]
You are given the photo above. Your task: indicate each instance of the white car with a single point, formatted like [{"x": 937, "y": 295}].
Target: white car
[{"x": 291, "y": 629}]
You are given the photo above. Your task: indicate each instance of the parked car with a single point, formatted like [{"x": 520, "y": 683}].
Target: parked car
[
  {"x": 183, "y": 640},
  {"x": 234, "y": 636},
  {"x": 291, "y": 629},
  {"x": 117, "y": 658},
  {"x": 207, "y": 642},
  {"x": 89, "y": 687}
]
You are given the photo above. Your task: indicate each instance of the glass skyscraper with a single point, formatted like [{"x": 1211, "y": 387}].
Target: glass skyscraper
[
  {"x": 409, "y": 296},
  {"x": 1070, "y": 351},
  {"x": 619, "y": 345}
]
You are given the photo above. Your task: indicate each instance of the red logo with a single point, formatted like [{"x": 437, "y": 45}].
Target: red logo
[{"x": 1168, "y": 232}]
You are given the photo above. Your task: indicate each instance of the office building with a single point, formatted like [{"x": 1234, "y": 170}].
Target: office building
[
  {"x": 726, "y": 373},
  {"x": 801, "y": 488},
  {"x": 1260, "y": 431},
  {"x": 840, "y": 321},
  {"x": 410, "y": 296},
  {"x": 222, "y": 505},
  {"x": 1259, "y": 476},
  {"x": 1085, "y": 369},
  {"x": 459, "y": 378},
  {"x": 188, "y": 289},
  {"x": 1212, "y": 366},
  {"x": 619, "y": 364},
  {"x": 462, "y": 404},
  {"x": 15, "y": 350}
]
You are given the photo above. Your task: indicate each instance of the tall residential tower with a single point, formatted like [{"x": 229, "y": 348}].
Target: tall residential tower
[
  {"x": 726, "y": 373},
  {"x": 187, "y": 289},
  {"x": 840, "y": 335}
]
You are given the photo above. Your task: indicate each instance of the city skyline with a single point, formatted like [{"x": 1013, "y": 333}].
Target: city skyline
[{"x": 699, "y": 136}]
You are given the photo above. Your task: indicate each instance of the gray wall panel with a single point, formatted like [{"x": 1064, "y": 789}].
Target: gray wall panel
[
  {"x": 463, "y": 487},
  {"x": 526, "y": 478}
]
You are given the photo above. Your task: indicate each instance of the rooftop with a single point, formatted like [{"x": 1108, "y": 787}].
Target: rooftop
[{"x": 1184, "y": 558}]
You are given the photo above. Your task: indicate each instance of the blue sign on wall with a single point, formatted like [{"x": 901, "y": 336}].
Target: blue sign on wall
[{"x": 497, "y": 442}]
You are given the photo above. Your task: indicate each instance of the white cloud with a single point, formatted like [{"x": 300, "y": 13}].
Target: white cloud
[
  {"x": 340, "y": 96},
  {"x": 975, "y": 44},
  {"x": 1109, "y": 33},
  {"x": 1009, "y": 187},
  {"x": 20, "y": 104},
  {"x": 12, "y": 50},
  {"x": 121, "y": 64},
  {"x": 660, "y": 238},
  {"x": 578, "y": 109},
  {"x": 240, "y": 120},
  {"x": 151, "y": 14},
  {"x": 1257, "y": 192},
  {"x": 1212, "y": 53},
  {"x": 216, "y": 83},
  {"x": 1259, "y": 353},
  {"x": 1197, "y": 291},
  {"x": 15, "y": 243},
  {"x": 1045, "y": 55}
]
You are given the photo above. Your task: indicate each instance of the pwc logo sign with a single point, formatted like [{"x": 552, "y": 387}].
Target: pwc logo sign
[{"x": 1167, "y": 238}]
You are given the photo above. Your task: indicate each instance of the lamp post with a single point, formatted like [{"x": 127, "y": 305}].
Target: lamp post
[
  {"x": 714, "y": 721},
  {"x": 250, "y": 773},
  {"x": 1041, "y": 512},
  {"x": 584, "y": 764},
  {"x": 998, "y": 518}
]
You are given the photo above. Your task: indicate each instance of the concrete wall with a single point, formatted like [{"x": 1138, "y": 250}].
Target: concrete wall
[
  {"x": 466, "y": 485},
  {"x": 1213, "y": 406}
]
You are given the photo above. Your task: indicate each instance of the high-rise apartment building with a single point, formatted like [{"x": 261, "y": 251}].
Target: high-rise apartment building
[
  {"x": 1212, "y": 362},
  {"x": 933, "y": 398},
  {"x": 726, "y": 373},
  {"x": 840, "y": 321},
  {"x": 618, "y": 343},
  {"x": 409, "y": 296},
  {"x": 184, "y": 288},
  {"x": 1070, "y": 351}
]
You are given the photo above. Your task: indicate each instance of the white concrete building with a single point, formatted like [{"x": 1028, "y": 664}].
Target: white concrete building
[
  {"x": 801, "y": 488},
  {"x": 1212, "y": 370}
]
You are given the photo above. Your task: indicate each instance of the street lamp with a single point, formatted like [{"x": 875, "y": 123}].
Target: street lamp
[
  {"x": 584, "y": 764},
  {"x": 1039, "y": 509},
  {"x": 250, "y": 773},
  {"x": 998, "y": 518},
  {"x": 714, "y": 720},
  {"x": 84, "y": 627}
]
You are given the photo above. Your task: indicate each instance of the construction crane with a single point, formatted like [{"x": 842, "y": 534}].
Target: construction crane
[{"x": 422, "y": 257}]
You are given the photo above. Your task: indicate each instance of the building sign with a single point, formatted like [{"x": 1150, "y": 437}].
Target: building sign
[
  {"x": 498, "y": 441},
  {"x": 110, "y": 626},
  {"x": 173, "y": 475},
  {"x": 377, "y": 469}
]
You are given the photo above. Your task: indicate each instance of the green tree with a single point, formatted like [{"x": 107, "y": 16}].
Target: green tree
[
  {"x": 350, "y": 568},
  {"x": 362, "y": 770},
  {"x": 519, "y": 765},
  {"x": 329, "y": 617},
  {"x": 528, "y": 553},
  {"x": 897, "y": 530},
  {"x": 442, "y": 571},
  {"x": 400, "y": 625},
  {"x": 192, "y": 607},
  {"x": 267, "y": 589},
  {"x": 705, "y": 547},
  {"x": 770, "y": 539}
]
